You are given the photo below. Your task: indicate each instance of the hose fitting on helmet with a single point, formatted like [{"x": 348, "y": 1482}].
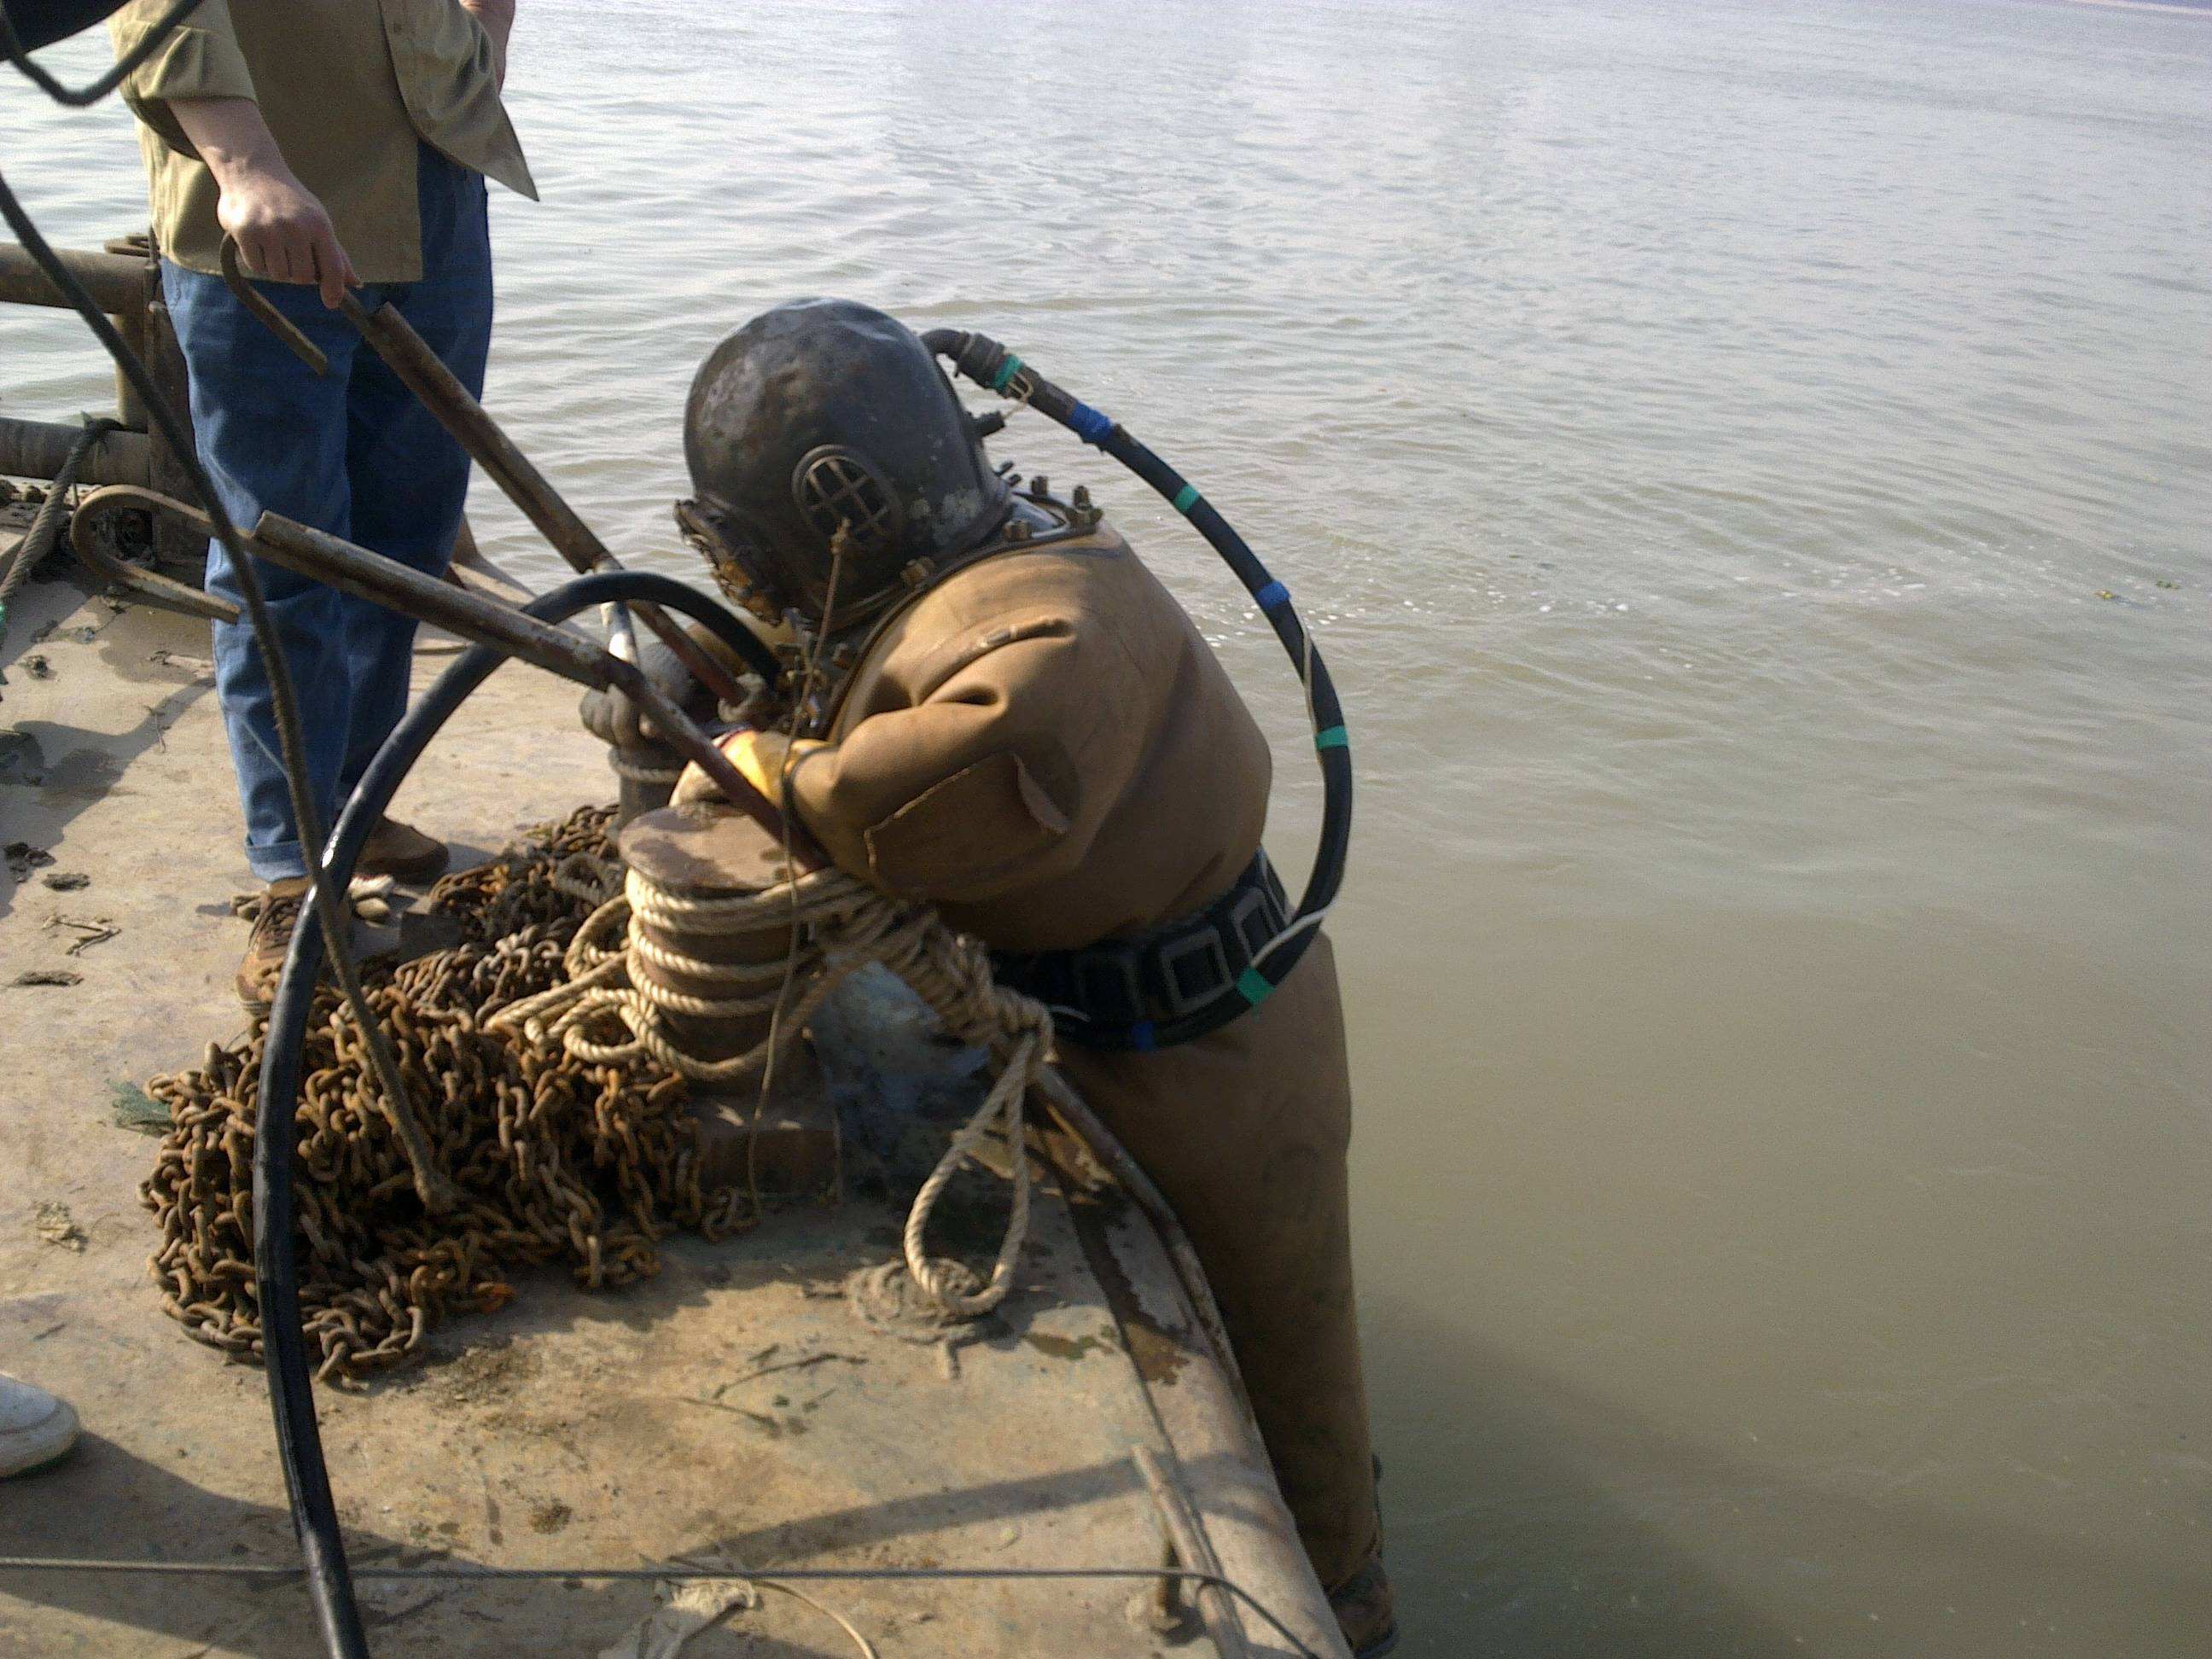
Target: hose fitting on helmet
[{"x": 990, "y": 365}]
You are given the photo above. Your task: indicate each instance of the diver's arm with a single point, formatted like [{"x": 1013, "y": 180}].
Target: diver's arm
[{"x": 999, "y": 776}]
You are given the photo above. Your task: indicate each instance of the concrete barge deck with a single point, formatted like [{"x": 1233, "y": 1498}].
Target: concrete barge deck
[{"x": 729, "y": 1411}]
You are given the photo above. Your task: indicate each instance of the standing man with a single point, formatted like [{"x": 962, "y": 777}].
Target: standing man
[{"x": 343, "y": 143}]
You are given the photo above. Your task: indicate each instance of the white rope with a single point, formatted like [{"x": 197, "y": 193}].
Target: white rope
[
  {"x": 1304, "y": 924},
  {"x": 637, "y": 772},
  {"x": 839, "y": 926}
]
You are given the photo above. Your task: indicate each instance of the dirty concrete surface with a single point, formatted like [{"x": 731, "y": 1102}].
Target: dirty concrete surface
[{"x": 729, "y": 1409}]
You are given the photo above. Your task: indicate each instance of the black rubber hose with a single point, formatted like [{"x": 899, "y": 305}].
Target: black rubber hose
[
  {"x": 758, "y": 654},
  {"x": 344, "y": 1640},
  {"x": 990, "y": 365},
  {"x": 56, "y": 18},
  {"x": 276, "y": 1142}
]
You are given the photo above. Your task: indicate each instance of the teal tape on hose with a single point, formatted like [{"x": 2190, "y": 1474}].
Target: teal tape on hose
[
  {"x": 1254, "y": 984},
  {"x": 1008, "y": 370},
  {"x": 1334, "y": 738},
  {"x": 1187, "y": 500}
]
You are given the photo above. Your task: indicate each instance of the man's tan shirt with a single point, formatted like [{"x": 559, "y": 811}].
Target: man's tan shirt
[{"x": 346, "y": 86}]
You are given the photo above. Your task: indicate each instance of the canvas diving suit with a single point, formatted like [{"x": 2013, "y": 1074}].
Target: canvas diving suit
[{"x": 1043, "y": 746}]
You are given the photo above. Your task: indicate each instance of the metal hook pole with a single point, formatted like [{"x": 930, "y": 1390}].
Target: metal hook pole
[{"x": 421, "y": 371}]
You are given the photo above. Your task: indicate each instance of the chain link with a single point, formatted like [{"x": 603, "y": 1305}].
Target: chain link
[
  {"x": 565, "y": 1146},
  {"x": 558, "y": 1157}
]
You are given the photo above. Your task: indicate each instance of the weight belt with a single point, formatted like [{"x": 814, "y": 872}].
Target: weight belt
[{"x": 1114, "y": 993}]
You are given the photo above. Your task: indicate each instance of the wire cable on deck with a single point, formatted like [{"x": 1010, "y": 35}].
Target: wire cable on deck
[
  {"x": 47, "y": 527},
  {"x": 269, "y": 1572}
]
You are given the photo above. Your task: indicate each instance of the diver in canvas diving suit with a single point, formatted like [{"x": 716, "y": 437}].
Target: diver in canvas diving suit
[{"x": 1027, "y": 732}]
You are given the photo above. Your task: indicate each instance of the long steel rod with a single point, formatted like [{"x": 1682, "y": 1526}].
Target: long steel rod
[
  {"x": 116, "y": 281},
  {"x": 337, "y": 562}
]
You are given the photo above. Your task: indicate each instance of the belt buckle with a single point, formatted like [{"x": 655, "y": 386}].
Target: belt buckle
[
  {"x": 1203, "y": 942},
  {"x": 1254, "y": 920},
  {"x": 1108, "y": 984},
  {"x": 1256, "y": 911}
]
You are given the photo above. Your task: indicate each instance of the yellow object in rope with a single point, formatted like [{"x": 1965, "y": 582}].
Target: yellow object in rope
[{"x": 766, "y": 758}]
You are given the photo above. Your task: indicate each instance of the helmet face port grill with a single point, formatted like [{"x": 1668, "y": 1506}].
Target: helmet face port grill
[{"x": 835, "y": 489}]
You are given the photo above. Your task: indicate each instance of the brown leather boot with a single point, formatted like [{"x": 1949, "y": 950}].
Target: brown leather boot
[
  {"x": 403, "y": 853},
  {"x": 271, "y": 937},
  {"x": 1366, "y": 1609}
]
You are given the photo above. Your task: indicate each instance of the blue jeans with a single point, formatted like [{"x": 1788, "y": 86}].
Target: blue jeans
[{"x": 352, "y": 452}]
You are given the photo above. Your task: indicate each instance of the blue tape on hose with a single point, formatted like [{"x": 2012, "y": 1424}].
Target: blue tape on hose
[
  {"x": 1272, "y": 594},
  {"x": 1140, "y": 1035},
  {"x": 1093, "y": 426}
]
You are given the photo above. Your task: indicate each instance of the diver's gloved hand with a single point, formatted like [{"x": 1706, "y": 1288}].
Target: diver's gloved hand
[
  {"x": 605, "y": 713},
  {"x": 609, "y": 716},
  {"x": 765, "y": 759}
]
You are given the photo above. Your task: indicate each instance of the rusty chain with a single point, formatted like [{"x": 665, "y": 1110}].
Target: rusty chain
[{"x": 557, "y": 1158}]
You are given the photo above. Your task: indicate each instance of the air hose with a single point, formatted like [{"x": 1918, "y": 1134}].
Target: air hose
[
  {"x": 276, "y": 1146},
  {"x": 990, "y": 365}
]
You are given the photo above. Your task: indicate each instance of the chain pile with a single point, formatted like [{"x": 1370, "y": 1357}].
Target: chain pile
[{"x": 557, "y": 1156}]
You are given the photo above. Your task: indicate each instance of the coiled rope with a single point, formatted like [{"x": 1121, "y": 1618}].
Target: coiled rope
[
  {"x": 838, "y": 925},
  {"x": 635, "y": 772}
]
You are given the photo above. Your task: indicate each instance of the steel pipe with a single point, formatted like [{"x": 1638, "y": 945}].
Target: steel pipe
[
  {"x": 116, "y": 281},
  {"x": 36, "y": 449}
]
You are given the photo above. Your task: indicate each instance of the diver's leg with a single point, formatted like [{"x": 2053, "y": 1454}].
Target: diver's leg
[{"x": 1246, "y": 1132}]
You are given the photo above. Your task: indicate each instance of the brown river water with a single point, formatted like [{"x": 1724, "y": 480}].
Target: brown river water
[{"x": 1748, "y": 465}]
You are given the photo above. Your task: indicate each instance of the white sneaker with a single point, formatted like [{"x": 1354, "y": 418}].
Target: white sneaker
[{"x": 35, "y": 1428}]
